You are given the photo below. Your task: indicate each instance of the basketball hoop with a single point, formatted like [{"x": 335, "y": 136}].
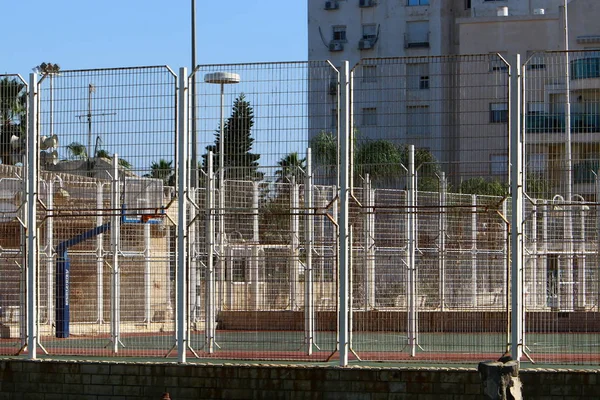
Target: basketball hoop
[{"x": 156, "y": 216}]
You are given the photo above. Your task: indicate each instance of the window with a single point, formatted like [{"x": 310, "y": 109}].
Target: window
[
  {"x": 536, "y": 108},
  {"x": 498, "y": 112},
  {"x": 417, "y": 76},
  {"x": 369, "y": 73},
  {"x": 497, "y": 63},
  {"x": 537, "y": 163},
  {"x": 369, "y": 116},
  {"x": 499, "y": 164},
  {"x": 238, "y": 269},
  {"x": 467, "y": 4},
  {"x": 535, "y": 60},
  {"x": 418, "y": 2},
  {"x": 369, "y": 31},
  {"x": 417, "y": 118},
  {"x": 417, "y": 34},
  {"x": 339, "y": 33}
]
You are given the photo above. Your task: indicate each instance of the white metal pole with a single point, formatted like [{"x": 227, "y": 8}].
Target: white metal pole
[
  {"x": 410, "y": 253},
  {"x": 50, "y": 252},
  {"x": 442, "y": 241},
  {"x": 210, "y": 264},
  {"x": 222, "y": 257},
  {"x": 147, "y": 273},
  {"x": 569, "y": 271},
  {"x": 309, "y": 306},
  {"x": 295, "y": 245},
  {"x": 32, "y": 230},
  {"x": 100, "y": 256},
  {"x": 532, "y": 301},
  {"x": 115, "y": 304},
  {"x": 473, "y": 250},
  {"x": 182, "y": 261},
  {"x": 369, "y": 245},
  {"x": 344, "y": 225},
  {"x": 516, "y": 147},
  {"x": 255, "y": 259}
]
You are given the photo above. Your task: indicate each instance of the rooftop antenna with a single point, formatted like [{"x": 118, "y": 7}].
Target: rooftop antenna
[{"x": 89, "y": 115}]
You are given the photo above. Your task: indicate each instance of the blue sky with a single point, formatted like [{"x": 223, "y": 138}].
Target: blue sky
[{"x": 81, "y": 34}]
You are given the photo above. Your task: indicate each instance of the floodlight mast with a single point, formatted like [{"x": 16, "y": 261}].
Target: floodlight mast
[{"x": 222, "y": 78}]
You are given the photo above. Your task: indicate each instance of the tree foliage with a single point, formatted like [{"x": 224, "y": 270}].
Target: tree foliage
[
  {"x": 482, "y": 186},
  {"x": 163, "y": 170},
  {"x": 385, "y": 162},
  {"x": 292, "y": 167},
  {"x": 239, "y": 161},
  {"x": 13, "y": 116}
]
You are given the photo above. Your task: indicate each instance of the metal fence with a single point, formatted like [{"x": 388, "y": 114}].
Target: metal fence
[{"x": 304, "y": 211}]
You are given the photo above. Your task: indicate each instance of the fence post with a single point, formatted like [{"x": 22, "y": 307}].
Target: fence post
[
  {"x": 309, "y": 226},
  {"x": 32, "y": 199},
  {"x": 210, "y": 262},
  {"x": 442, "y": 241},
  {"x": 516, "y": 231},
  {"x": 115, "y": 282},
  {"x": 182, "y": 130},
  {"x": 344, "y": 231},
  {"x": 410, "y": 256}
]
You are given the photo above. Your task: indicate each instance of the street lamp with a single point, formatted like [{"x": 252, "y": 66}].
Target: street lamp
[{"x": 222, "y": 78}]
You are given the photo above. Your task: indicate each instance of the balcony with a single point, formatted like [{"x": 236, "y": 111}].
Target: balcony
[{"x": 555, "y": 123}]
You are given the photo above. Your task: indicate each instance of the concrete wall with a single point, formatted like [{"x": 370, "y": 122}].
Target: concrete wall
[{"x": 48, "y": 380}]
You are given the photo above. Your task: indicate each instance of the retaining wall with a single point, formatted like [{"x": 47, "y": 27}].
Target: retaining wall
[{"x": 50, "y": 380}]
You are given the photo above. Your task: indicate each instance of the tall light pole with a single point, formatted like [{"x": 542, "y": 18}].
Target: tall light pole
[
  {"x": 194, "y": 135},
  {"x": 569, "y": 300},
  {"x": 222, "y": 78}
]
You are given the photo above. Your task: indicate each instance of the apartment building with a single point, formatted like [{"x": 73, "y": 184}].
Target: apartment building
[{"x": 449, "y": 91}]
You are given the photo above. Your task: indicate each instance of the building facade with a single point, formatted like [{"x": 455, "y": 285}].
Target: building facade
[{"x": 435, "y": 74}]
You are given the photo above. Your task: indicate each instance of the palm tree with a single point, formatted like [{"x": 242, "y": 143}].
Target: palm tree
[
  {"x": 77, "y": 151},
  {"x": 292, "y": 166},
  {"x": 163, "y": 170},
  {"x": 13, "y": 115}
]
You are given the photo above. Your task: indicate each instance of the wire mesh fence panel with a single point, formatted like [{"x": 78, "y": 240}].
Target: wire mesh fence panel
[
  {"x": 12, "y": 262},
  {"x": 106, "y": 237},
  {"x": 444, "y": 284},
  {"x": 562, "y": 157},
  {"x": 264, "y": 281},
  {"x": 13, "y": 127}
]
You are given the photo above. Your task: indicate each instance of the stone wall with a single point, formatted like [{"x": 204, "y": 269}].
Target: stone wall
[{"x": 50, "y": 380}]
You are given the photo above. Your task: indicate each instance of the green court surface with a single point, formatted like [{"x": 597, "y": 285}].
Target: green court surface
[{"x": 580, "y": 348}]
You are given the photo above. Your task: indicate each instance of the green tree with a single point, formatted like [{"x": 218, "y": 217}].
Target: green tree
[
  {"x": 291, "y": 166},
  {"x": 162, "y": 170},
  {"x": 384, "y": 161},
  {"x": 104, "y": 154},
  {"x": 239, "y": 162},
  {"x": 13, "y": 117},
  {"x": 77, "y": 151},
  {"x": 482, "y": 186}
]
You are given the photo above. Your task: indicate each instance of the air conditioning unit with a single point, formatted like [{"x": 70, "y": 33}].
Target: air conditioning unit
[
  {"x": 336, "y": 46},
  {"x": 332, "y": 5},
  {"x": 366, "y": 3},
  {"x": 365, "y": 44}
]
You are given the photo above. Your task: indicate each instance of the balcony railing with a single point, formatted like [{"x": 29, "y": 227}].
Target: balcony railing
[{"x": 555, "y": 123}]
